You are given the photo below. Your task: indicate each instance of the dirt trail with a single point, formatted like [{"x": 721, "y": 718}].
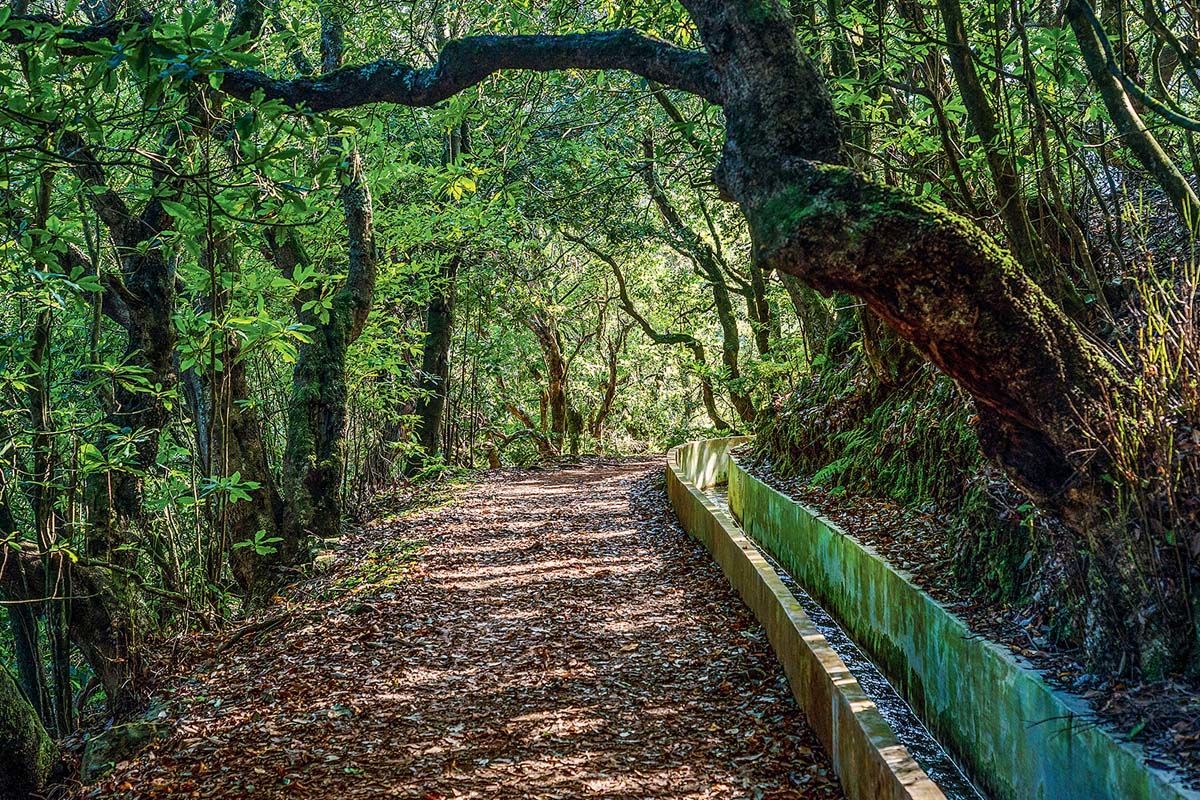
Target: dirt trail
[{"x": 556, "y": 636}]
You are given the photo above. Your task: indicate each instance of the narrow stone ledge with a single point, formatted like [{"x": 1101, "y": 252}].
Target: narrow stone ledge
[{"x": 870, "y": 762}]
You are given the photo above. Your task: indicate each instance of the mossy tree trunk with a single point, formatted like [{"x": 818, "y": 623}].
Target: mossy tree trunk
[
  {"x": 28, "y": 756},
  {"x": 238, "y": 447},
  {"x": 434, "y": 381},
  {"x": 141, "y": 300},
  {"x": 313, "y": 459},
  {"x": 308, "y": 502},
  {"x": 27, "y": 654}
]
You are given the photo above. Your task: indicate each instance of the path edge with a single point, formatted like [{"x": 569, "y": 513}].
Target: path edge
[{"x": 869, "y": 760}]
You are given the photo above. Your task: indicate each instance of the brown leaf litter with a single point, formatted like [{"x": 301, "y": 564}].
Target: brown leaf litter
[{"x": 554, "y": 635}]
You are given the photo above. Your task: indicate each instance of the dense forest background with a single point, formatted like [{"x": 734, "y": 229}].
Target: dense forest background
[{"x": 228, "y": 322}]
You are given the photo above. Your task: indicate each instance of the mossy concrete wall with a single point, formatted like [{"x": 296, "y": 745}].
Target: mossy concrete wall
[
  {"x": 870, "y": 763},
  {"x": 1017, "y": 737}
]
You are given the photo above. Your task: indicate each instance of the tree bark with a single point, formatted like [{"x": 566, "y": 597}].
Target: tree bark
[
  {"x": 434, "y": 381},
  {"x": 312, "y": 472},
  {"x": 28, "y": 756},
  {"x": 238, "y": 446},
  {"x": 1048, "y": 399},
  {"x": 1134, "y": 133},
  {"x": 1023, "y": 237},
  {"x": 142, "y": 301}
]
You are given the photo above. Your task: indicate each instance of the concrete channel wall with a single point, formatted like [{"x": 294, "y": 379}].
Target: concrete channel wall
[
  {"x": 1018, "y": 738},
  {"x": 871, "y": 764}
]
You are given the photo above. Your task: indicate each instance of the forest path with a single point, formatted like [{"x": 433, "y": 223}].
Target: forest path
[{"x": 556, "y": 635}]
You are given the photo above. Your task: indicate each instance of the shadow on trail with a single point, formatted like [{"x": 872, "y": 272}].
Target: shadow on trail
[{"x": 560, "y": 637}]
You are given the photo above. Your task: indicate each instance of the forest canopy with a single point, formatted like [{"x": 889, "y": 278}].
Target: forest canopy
[{"x": 265, "y": 260}]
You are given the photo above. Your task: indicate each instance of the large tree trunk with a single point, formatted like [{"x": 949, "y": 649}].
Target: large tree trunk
[
  {"x": 312, "y": 470},
  {"x": 312, "y": 459},
  {"x": 28, "y": 756},
  {"x": 103, "y": 606},
  {"x": 934, "y": 276},
  {"x": 142, "y": 301}
]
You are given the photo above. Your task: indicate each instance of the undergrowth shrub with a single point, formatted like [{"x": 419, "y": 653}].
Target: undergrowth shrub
[
  {"x": 912, "y": 443},
  {"x": 1152, "y": 447},
  {"x": 1154, "y": 450}
]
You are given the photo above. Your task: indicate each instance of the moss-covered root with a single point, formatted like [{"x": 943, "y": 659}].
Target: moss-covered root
[{"x": 28, "y": 756}]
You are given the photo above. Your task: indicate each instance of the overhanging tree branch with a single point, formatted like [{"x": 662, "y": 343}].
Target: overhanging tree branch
[{"x": 463, "y": 63}]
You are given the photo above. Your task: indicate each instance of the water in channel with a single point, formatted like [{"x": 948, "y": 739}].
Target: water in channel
[{"x": 909, "y": 729}]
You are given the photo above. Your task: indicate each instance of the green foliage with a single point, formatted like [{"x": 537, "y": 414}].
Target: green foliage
[
  {"x": 262, "y": 543},
  {"x": 596, "y": 269}
]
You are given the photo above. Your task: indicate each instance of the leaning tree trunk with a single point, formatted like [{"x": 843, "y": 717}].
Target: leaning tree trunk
[{"x": 1042, "y": 387}]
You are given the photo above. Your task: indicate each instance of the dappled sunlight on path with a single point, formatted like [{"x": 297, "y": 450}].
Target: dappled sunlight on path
[{"x": 558, "y": 637}]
